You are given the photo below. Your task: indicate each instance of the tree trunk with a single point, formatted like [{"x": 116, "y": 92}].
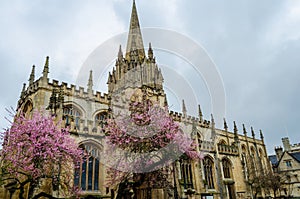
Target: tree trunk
[
  {"x": 43, "y": 194},
  {"x": 32, "y": 187},
  {"x": 274, "y": 193},
  {"x": 21, "y": 188},
  {"x": 21, "y": 193}
]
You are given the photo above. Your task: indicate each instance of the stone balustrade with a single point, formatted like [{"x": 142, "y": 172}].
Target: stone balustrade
[{"x": 227, "y": 149}]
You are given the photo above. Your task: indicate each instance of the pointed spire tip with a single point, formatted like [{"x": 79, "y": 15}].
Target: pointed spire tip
[{"x": 135, "y": 40}]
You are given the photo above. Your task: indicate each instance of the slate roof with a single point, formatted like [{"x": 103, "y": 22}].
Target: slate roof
[
  {"x": 296, "y": 155},
  {"x": 273, "y": 159}
]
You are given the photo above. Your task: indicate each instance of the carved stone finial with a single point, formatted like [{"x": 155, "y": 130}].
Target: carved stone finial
[
  {"x": 212, "y": 120},
  {"x": 236, "y": 137},
  {"x": 120, "y": 53},
  {"x": 90, "y": 84},
  {"x": 252, "y": 131},
  {"x": 244, "y": 130},
  {"x": 261, "y": 135},
  {"x": 184, "y": 111},
  {"x": 235, "y": 130},
  {"x": 225, "y": 125},
  {"x": 200, "y": 113},
  {"x": 109, "y": 78},
  {"x": 46, "y": 68},
  {"x": 32, "y": 74},
  {"x": 150, "y": 52},
  {"x": 23, "y": 90}
]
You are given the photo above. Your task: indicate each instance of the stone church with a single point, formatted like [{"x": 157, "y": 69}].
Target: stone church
[{"x": 230, "y": 162}]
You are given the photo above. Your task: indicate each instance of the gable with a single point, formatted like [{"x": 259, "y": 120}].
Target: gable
[{"x": 288, "y": 162}]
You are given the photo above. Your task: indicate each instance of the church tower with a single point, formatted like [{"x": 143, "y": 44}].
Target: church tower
[{"x": 135, "y": 73}]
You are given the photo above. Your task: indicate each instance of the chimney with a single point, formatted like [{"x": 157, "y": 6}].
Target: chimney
[
  {"x": 279, "y": 152},
  {"x": 286, "y": 144}
]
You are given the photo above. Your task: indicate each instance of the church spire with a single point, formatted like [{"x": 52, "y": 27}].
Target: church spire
[{"x": 135, "y": 40}]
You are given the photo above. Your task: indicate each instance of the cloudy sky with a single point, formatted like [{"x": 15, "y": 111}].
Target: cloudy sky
[{"x": 254, "y": 45}]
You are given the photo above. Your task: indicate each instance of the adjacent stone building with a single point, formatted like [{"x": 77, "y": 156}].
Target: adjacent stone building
[
  {"x": 286, "y": 162},
  {"x": 231, "y": 159}
]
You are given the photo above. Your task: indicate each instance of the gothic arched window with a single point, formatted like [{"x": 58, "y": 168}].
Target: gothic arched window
[
  {"x": 87, "y": 176},
  {"x": 208, "y": 166},
  {"x": 71, "y": 113},
  {"x": 253, "y": 159},
  {"x": 226, "y": 168},
  {"x": 100, "y": 119},
  {"x": 222, "y": 142},
  {"x": 262, "y": 159},
  {"x": 186, "y": 173},
  {"x": 244, "y": 150},
  {"x": 244, "y": 157},
  {"x": 27, "y": 110}
]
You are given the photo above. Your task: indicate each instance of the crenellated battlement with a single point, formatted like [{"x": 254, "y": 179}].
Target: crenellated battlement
[
  {"x": 179, "y": 117},
  {"x": 33, "y": 87},
  {"x": 69, "y": 90},
  {"x": 296, "y": 145},
  {"x": 72, "y": 90}
]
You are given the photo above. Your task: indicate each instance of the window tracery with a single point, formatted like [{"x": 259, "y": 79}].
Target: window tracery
[
  {"x": 27, "y": 110},
  {"x": 208, "y": 166},
  {"x": 100, "y": 119},
  {"x": 226, "y": 168},
  {"x": 186, "y": 173},
  {"x": 88, "y": 175},
  {"x": 71, "y": 113}
]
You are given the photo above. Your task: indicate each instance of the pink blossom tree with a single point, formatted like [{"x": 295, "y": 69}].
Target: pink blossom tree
[
  {"x": 143, "y": 146},
  {"x": 40, "y": 155}
]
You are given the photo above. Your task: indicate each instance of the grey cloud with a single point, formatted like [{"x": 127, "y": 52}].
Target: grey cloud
[{"x": 260, "y": 72}]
